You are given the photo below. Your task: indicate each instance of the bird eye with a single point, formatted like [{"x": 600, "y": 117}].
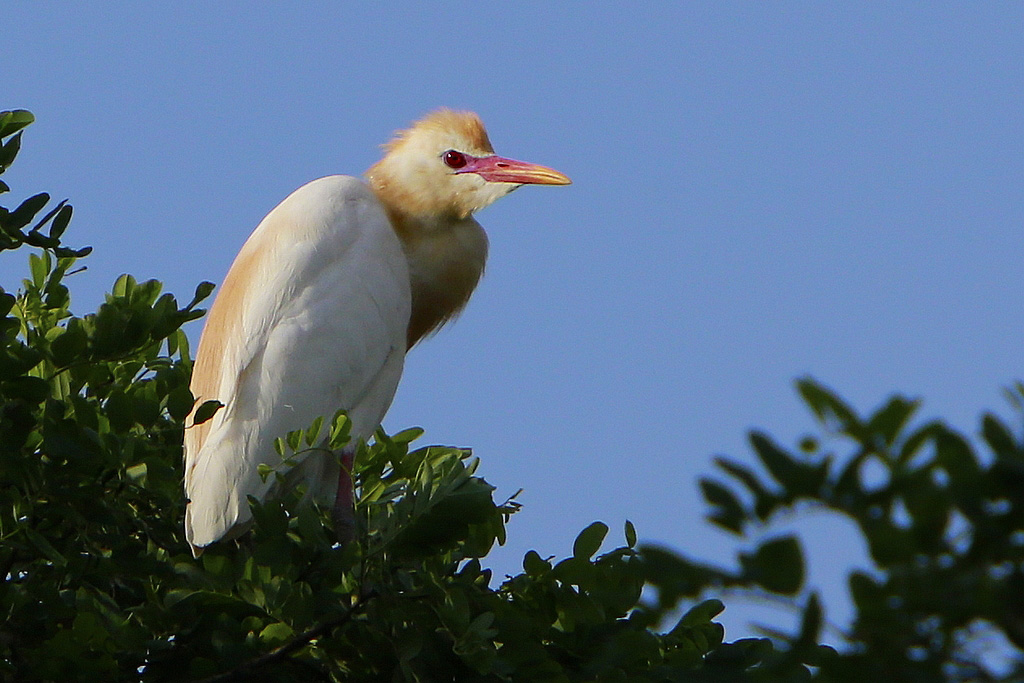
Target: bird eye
[{"x": 453, "y": 159}]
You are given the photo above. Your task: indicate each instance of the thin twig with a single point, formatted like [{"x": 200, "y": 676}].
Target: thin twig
[{"x": 244, "y": 670}]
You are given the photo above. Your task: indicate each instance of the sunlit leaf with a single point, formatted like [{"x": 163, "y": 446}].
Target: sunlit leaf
[
  {"x": 14, "y": 120},
  {"x": 314, "y": 430}
]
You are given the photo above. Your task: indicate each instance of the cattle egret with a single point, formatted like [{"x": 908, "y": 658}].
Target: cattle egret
[{"x": 321, "y": 305}]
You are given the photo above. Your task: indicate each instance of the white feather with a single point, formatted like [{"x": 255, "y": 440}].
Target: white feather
[{"x": 322, "y": 327}]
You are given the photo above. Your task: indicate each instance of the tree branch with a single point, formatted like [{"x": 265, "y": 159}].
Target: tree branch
[{"x": 243, "y": 671}]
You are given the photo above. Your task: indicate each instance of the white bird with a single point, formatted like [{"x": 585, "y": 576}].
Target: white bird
[{"x": 322, "y": 303}]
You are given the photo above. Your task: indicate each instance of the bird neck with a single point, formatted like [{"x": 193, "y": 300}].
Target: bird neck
[{"x": 446, "y": 257}]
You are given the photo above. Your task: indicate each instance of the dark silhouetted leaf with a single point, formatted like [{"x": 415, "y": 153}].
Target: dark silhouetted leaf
[
  {"x": 891, "y": 418},
  {"x": 1000, "y": 439},
  {"x": 829, "y": 408},
  {"x": 589, "y": 540},
  {"x": 727, "y": 511},
  {"x": 206, "y": 411},
  {"x": 777, "y": 565},
  {"x": 25, "y": 212}
]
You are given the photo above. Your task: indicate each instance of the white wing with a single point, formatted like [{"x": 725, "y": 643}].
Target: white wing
[{"x": 312, "y": 317}]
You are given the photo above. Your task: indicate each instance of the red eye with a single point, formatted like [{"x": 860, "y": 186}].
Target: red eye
[{"x": 453, "y": 159}]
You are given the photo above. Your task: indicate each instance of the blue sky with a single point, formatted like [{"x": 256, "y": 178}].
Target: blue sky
[{"x": 761, "y": 191}]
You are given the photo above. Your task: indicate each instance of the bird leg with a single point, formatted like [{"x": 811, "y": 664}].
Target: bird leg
[{"x": 343, "y": 513}]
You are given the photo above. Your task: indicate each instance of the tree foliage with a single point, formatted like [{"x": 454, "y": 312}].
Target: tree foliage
[
  {"x": 98, "y": 582},
  {"x": 944, "y": 526}
]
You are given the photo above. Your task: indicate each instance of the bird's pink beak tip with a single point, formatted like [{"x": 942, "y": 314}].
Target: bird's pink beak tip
[{"x": 497, "y": 169}]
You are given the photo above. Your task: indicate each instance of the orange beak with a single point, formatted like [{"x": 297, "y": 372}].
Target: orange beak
[{"x": 495, "y": 169}]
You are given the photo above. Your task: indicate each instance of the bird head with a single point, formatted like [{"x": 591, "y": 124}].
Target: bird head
[{"x": 444, "y": 166}]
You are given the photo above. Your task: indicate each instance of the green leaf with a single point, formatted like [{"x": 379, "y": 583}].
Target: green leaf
[
  {"x": 8, "y": 151},
  {"x": 784, "y": 468},
  {"x": 589, "y": 541},
  {"x": 61, "y": 221},
  {"x": 956, "y": 456},
  {"x": 341, "y": 428},
  {"x": 576, "y": 571},
  {"x": 43, "y": 546},
  {"x": 727, "y": 512},
  {"x": 31, "y": 389},
  {"x": 47, "y": 217},
  {"x": 71, "y": 345},
  {"x": 810, "y": 622},
  {"x": 146, "y": 293},
  {"x": 929, "y": 509},
  {"x": 446, "y": 502},
  {"x": 701, "y": 613},
  {"x": 124, "y": 285},
  {"x": 203, "y": 290},
  {"x": 1000, "y": 439},
  {"x": 407, "y": 435},
  {"x": 25, "y": 212},
  {"x": 913, "y": 443},
  {"x": 534, "y": 565},
  {"x": 206, "y": 411},
  {"x": 179, "y": 402},
  {"x": 891, "y": 418},
  {"x": 39, "y": 267},
  {"x": 829, "y": 408},
  {"x": 7, "y": 302},
  {"x": 867, "y": 595},
  {"x": 294, "y": 440},
  {"x": 137, "y": 473},
  {"x": 276, "y": 634},
  {"x": 630, "y": 532},
  {"x": 778, "y": 565},
  {"x": 744, "y": 475},
  {"x": 119, "y": 410},
  {"x": 14, "y": 120},
  {"x": 764, "y": 500},
  {"x": 314, "y": 430}
]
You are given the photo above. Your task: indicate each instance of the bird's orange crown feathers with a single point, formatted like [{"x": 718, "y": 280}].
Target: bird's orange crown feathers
[{"x": 445, "y": 120}]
